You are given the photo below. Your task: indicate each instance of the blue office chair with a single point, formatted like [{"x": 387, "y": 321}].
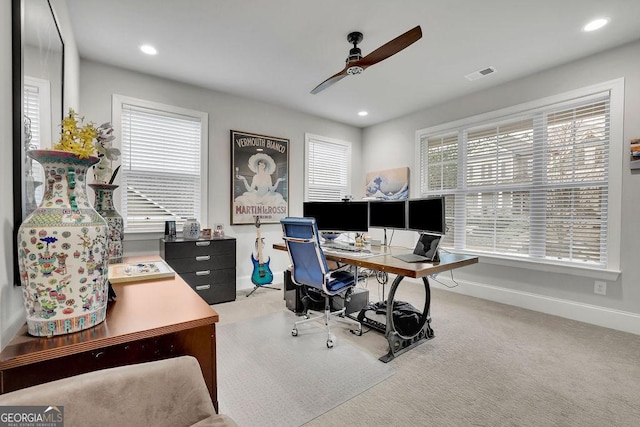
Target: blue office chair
[{"x": 309, "y": 268}]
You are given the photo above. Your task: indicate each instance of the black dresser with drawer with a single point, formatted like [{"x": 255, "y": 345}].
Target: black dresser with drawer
[{"x": 208, "y": 266}]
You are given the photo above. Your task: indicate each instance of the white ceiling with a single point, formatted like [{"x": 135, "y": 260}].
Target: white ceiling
[{"x": 278, "y": 50}]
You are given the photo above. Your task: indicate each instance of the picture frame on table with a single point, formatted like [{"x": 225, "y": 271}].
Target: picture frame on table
[
  {"x": 206, "y": 233},
  {"x": 259, "y": 182}
]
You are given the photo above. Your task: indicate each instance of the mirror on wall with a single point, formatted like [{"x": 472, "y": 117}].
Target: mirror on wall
[{"x": 38, "y": 75}]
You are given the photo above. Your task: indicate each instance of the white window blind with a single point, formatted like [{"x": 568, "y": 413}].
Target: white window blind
[
  {"x": 31, "y": 105},
  {"x": 327, "y": 168},
  {"x": 161, "y": 171},
  {"x": 534, "y": 184},
  {"x": 440, "y": 153},
  {"x": 36, "y": 103}
]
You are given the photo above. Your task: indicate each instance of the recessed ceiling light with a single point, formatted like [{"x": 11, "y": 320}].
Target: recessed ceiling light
[
  {"x": 362, "y": 113},
  {"x": 148, "y": 49},
  {"x": 596, "y": 24}
]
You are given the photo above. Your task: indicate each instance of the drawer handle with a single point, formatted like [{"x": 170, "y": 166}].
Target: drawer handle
[
  {"x": 202, "y": 287},
  {"x": 203, "y": 273},
  {"x": 203, "y": 258},
  {"x": 203, "y": 243}
]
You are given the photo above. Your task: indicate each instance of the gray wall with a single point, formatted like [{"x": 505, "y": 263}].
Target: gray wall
[
  {"x": 392, "y": 144},
  {"x": 99, "y": 81}
]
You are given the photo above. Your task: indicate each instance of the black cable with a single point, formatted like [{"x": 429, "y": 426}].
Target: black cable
[
  {"x": 393, "y": 232},
  {"x": 382, "y": 277}
]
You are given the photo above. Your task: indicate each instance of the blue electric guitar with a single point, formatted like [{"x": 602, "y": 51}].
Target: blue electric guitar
[{"x": 262, "y": 274}]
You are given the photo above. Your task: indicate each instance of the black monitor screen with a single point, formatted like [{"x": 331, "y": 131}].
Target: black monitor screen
[
  {"x": 339, "y": 216},
  {"x": 426, "y": 215},
  {"x": 388, "y": 214}
]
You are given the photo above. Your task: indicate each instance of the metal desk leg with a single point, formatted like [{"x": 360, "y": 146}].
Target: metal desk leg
[{"x": 398, "y": 343}]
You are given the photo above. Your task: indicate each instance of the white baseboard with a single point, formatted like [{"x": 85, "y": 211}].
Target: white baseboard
[
  {"x": 587, "y": 313},
  {"x": 243, "y": 283},
  {"x": 601, "y": 316}
]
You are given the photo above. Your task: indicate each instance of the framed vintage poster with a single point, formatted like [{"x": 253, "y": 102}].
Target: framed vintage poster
[{"x": 259, "y": 186}]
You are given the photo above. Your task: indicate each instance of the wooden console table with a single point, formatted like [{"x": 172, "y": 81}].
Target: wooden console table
[{"x": 150, "y": 320}]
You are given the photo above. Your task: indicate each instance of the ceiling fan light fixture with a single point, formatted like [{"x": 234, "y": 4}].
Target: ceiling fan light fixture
[{"x": 354, "y": 70}]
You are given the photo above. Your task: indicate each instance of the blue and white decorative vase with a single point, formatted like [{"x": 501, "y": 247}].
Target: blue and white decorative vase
[
  {"x": 62, "y": 251},
  {"x": 191, "y": 229}
]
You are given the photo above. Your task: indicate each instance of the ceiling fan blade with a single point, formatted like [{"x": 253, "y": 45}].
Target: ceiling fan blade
[
  {"x": 391, "y": 48},
  {"x": 331, "y": 80}
]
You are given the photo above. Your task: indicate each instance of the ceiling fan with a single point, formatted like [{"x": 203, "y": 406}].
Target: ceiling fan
[{"x": 356, "y": 64}]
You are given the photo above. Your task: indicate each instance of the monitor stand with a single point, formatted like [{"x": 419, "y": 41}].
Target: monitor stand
[{"x": 385, "y": 238}]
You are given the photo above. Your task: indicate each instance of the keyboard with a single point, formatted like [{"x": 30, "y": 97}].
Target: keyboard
[
  {"x": 351, "y": 254},
  {"x": 412, "y": 258},
  {"x": 341, "y": 247}
]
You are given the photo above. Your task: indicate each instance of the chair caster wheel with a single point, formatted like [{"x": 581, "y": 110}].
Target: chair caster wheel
[
  {"x": 294, "y": 332},
  {"x": 329, "y": 344}
]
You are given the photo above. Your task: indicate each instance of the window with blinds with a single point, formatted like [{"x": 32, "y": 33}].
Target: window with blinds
[
  {"x": 326, "y": 168},
  {"x": 533, "y": 184},
  {"x": 162, "y": 169},
  {"x": 36, "y": 109}
]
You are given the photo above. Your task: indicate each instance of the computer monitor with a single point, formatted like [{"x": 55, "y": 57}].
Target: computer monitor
[
  {"x": 339, "y": 217},
  {"x": 388, "y": 214},
  {"x": 426, "y": 215}
]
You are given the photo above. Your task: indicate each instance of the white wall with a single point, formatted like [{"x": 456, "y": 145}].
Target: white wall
[
  {"x": 392, "y": 144},
  {"x": 99, "y": 81}
]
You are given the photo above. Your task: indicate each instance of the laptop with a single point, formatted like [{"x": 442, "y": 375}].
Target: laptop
[{"x": 426, "y": 249}]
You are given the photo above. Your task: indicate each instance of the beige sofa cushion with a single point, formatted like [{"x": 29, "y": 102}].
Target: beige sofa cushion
[{"x": 169, "y": 392}]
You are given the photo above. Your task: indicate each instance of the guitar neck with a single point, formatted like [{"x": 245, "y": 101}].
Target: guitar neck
[{"x": 259, "y": 245}]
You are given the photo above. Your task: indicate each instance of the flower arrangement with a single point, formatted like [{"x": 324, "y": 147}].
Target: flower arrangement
[{"x": 86, "y": 140}]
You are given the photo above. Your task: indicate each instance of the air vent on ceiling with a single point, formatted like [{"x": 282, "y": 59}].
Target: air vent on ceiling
[{"x": 480, "y": 73}]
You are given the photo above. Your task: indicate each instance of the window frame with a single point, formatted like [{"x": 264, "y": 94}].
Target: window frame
[
  {"x": 308, "y": 138},
  {"x": 116, "y": 116},
  {"x": 616, "y": 156}
]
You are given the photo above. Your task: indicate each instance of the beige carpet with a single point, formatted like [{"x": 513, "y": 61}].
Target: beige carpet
[
  {"x": 489, "y": 365},
  {"x": 289, "y": 381}
]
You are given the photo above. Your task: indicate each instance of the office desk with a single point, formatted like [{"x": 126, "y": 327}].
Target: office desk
[{"x": 385, "y": 261}]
